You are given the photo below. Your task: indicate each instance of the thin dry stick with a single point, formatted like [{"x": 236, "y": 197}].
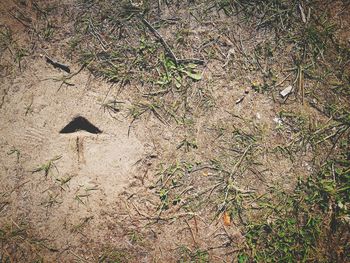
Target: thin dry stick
[
  {"x": 140, "y": 213},
  {"x": 78, "y": 257},
  {"x": 283, "y": 80},
  {"x": 102, "y": 42},
  {"x": 19, "y": 20},
  {"x": 167, "y": 48},
  {"x": 195, "y": 223},
  {"x": 159, "y": 218},
  {"x": 301, "y": 84},
  {"x": 192, "y": 234},
  {"x": 161, "y": 39},
  {"x": 241, "y": 159},
  {"x": 341, "y": 133}
]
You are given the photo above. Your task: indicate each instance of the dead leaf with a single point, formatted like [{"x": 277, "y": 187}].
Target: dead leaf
[{"x": 227, "y": 219}]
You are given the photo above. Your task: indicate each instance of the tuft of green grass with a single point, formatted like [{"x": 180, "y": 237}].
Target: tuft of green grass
[
  {"x": 174, "y": 74},
  {"x": 63, "y": 182},
  {"x": 82, "y": 194},
  {"x": 19, "y": 55},
  {"x": 307, "y": 224},
  {"x": 141, "y": 108},
  {"x": 187, "y": 145},
  {"x": 47, "y": 167}
]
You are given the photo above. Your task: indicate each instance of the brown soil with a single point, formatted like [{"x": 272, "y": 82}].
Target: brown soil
[{"x": 97, "y": 198}]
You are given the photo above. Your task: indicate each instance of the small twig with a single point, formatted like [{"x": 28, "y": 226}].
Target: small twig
[
  {"x": 130, "y": 126},
  {"x": 242, "y": 191},
  {"x": 156, "y": 93},
  {"x": 192, "y": 234},
  {"x": 198, "y": 168},
  {"x": 103, "y": 43},
  {"x": 159, "y": 7},
  {"x": 341, "y": 133},
  {"x": 57, "y": 64},
  {"x": 159, "y": 218},
  {"x": 283, "y": 80},
  {"x": 19, "y": 20},
  {"x": 240, "y": 161},
  {"x": 212, "y": 190},
  {"x": 167, "y": 47},
  {"x": 191, "y": 60},
  {"x": 301, "y": 83},
  {"x": 161, "y": 39},
  {"x": 78, "y": 257}
]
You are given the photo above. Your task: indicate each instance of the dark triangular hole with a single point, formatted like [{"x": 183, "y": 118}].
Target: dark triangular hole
[{"x": 80, "y": 123}]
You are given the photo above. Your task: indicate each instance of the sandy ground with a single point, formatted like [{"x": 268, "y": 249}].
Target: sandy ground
[
  {"x": 80, "y": 197},
  {"x": 86, "y": 196},
  {"x": 98, "y": 167}
]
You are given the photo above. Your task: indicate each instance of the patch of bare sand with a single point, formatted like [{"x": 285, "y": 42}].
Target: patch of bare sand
[{"x": 93, "y": 169}]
